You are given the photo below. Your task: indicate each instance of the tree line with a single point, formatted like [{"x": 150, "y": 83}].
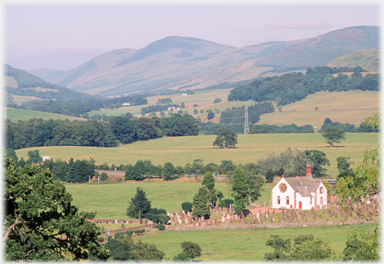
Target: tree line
[
  {"x": 123, "y": 129},
  {"x": 236, "y": 114},
  {"x": 349, "y": 127},
  {"x": 78, "y": 107},
  {"x": 292, "y": 87}
]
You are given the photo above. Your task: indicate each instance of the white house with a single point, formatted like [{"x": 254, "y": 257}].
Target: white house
[{"x": 299, "y": 192}]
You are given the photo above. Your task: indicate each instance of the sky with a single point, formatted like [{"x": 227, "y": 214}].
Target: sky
[{"x": 63, "y": 36}]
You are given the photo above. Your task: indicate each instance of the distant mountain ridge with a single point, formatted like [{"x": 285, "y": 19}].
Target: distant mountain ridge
[{"x": 185, "y": 62}]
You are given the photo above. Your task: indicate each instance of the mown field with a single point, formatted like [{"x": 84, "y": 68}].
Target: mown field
[
  {"x": 183, "y": 150},
  {"x": 111, "y": 200},
  {"x": 344, "y": 107},
  {"x": 19, "y": 114},
  {"x": 243, "y": 244}
]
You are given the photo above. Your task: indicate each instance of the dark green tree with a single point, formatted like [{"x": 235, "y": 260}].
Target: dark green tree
[
  {"x": 225, "y": 138},
  {"x": 269, "y": 176},
  {"x": 333, "y": 135},
  {"x": 318, "y": 160},
  {"x": 210, "y": 115},
  {"x": 255, "y": 184},
  {"x": 344, "y": 167},
  {"x": 280, "y": 246},
  {"x": 11, "y": 153},
  {"x": 191, "y": 250},
  {"x": 169, "y": 171},
  {"x": 139, "y": 205},
  {"x": 187, "y": 206},
  {"x": 34, "y": 157},
  {"x": 200, "y": 203},
  {"x": 104, "y": 176},
  {"x": 129, "y": 172},
  {"x": 120, "y": 251},
  {"x": 239, "y": 189},
  {"x": 40, "y": 221}
]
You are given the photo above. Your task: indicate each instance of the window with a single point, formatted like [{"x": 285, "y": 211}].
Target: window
[
  {"x": 321, "y": 189},
  {"x": 321, "y": 200},
  {"x": 278, "y": 199},
  {"x": 287, "y": 200}
]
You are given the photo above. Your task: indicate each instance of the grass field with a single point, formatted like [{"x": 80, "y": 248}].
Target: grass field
[
  {"x": 19, "y": 114},
  {"x": 344, "y": 107},
  {"x": 111, "y": 200},
  {"x": 183, "y": 150},
  {"x": 243, "y": 244}
]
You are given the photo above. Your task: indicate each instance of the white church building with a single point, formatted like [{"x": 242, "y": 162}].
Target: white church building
[{"x": 299, "y": 192}]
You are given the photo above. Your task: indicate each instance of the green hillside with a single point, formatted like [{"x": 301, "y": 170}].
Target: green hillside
[
  {"x": 19, "y": 114},
  {"x": 367, "y": 59}
]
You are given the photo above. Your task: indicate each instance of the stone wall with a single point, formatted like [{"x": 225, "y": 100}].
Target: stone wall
[
  {"x": 119, "y": 221},
  {"x": 276, "y": 225},
  {"x": 114, "y": 231}
]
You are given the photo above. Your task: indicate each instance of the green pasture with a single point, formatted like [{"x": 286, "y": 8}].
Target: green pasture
[
  {"x": 344, "y": 107},
  {"x": 183, "y": 150},
  {"x": 19, "y": 114},
  {"x": 111, "y": 200},
  {"x": 243, "y": 244}
]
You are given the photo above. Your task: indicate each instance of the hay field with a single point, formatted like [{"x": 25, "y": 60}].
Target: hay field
[
  {"x": 243, "y": 244},
  {"x": 19, "y": 114},
  {"x": 344, "y": 107},
  {"x": 183, "y": 150}
]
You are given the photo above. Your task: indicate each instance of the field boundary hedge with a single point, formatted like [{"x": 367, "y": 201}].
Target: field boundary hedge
[{"x": 276, "y": 225}]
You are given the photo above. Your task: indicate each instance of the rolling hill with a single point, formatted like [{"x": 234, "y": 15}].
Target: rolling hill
[
  {"x": 190, "y": 63},
  {"x": 367, "y": 59}
]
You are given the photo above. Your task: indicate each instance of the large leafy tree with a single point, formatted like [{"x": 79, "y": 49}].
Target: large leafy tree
[
  {"x": 191, "y": 250},
  {"x": 318, "y": 160},
  {"x": 40, "y": 221},
  {"x": 226, "y": 137},
  {"x": 255, "y": 184},
  {"x": 333, "y": 135},
  {"x": 139, "y": 204},
  {"x": 366, "y": 183}
]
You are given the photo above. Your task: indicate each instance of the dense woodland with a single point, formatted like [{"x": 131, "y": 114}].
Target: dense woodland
[
  {"x": 292, "y": 87},
  {"x": 236, "y": 114},
  {"x": 123, "y": 129}
]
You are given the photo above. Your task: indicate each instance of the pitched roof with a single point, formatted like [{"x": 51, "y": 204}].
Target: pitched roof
[{"x": 303, "y": 185}]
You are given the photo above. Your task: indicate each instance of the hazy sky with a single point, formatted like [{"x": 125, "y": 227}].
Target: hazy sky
[{"x": 63, "y": 36}]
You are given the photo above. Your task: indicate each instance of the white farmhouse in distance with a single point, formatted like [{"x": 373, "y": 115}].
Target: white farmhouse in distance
[
  {"x": 46, "y": 158},
  {"x": 299, "y": 192},
  {"x": 125, "y": 104}
]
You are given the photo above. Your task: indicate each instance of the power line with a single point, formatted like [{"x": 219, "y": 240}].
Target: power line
[{"x": 246, "y": 127}]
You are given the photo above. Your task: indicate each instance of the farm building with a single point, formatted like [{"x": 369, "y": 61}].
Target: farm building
[{"x": 299, "y": 192}]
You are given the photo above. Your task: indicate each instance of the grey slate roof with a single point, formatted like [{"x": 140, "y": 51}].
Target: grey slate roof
[{"x": 303, "y": 185}]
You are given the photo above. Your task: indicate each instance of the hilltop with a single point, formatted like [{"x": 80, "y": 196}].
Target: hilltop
[{"x": 189, "y": 63}]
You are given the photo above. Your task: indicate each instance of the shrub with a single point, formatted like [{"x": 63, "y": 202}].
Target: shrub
[
  {"x": 139, "y": 231},
  {"x": 104, "y": 176},
  {"x": 100, "y": 239},
  {"x": 161, "y": 211},
  {"x": 163, "y": 218},
  {"x": 119, "y": 235},
  {"x": 187, "y": 206},
  {"x": 217, "y": 100},
  {"x": 161, "y": 227},
  {"x": 225, "y": 202}
]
